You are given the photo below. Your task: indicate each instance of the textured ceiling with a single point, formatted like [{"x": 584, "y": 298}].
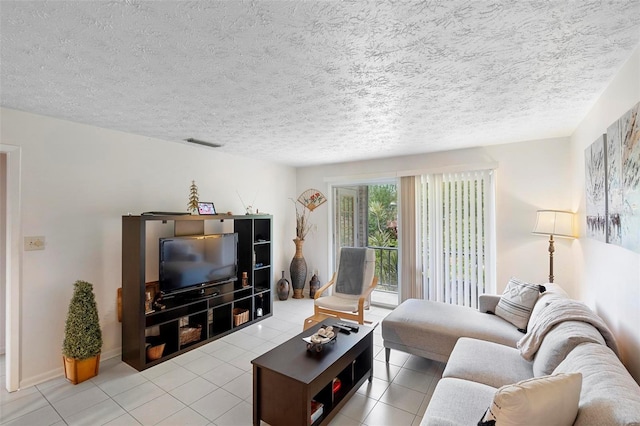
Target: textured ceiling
[{"x": 312, "y": 82}]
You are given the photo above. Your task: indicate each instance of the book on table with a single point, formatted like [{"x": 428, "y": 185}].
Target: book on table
[{"x": 316, "y": 410}]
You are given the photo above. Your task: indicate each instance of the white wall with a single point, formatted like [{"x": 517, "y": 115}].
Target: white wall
[
  {"x": 530, "y": 175},
  {"x": 77, "y": 182},
  {"x": 609, "y": 275}
]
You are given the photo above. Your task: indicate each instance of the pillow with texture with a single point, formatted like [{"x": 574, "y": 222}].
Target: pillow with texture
[
  {"x": 547, "y": 400},
  {"x": 516, "y": 303}
]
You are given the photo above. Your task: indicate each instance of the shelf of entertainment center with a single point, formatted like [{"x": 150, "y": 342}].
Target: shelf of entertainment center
[{"x": 184, "y": 321}]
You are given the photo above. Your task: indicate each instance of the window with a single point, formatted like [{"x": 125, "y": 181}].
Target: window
[{"x": 456, "y": 241}]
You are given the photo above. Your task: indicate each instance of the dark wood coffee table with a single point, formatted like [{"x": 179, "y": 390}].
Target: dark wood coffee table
[{"x": 288, "y": 377}]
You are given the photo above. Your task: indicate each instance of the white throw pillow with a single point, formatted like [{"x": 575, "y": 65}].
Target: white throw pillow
[
  {"x": 547, "y": 400},
  {"x": 516, "y": 303}
]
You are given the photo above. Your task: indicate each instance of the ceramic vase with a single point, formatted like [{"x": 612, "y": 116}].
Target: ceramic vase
[
  {"x": 314, "y": 285},
  {"x": 298, "y": 270},
  {"x": 283, "y": 288}
]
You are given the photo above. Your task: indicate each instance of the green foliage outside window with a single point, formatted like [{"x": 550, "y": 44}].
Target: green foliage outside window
[{"x": 383, "y": 233}]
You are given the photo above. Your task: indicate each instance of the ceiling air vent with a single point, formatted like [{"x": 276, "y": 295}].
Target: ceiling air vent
[{"x": 204, "y": 143}]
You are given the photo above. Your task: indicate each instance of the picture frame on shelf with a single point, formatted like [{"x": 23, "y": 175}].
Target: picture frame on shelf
[{"x": 206, "y": 208}]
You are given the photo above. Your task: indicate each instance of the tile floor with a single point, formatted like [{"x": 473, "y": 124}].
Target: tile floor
[{"x": 212, "y": 385}]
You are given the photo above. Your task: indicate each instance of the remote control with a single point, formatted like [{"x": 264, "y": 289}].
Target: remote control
[
  {"x": 342, "y": 329},
  {"x": 351, "y": 327}
]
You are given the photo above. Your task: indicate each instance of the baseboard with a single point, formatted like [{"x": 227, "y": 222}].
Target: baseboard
[{"x": 59, "y": 372}]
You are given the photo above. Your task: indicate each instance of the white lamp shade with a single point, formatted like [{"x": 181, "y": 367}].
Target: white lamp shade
[{"x": 554, "y": 222}]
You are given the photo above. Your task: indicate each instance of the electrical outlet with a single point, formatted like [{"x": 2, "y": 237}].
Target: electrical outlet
[{"x": 33, "y": 243}]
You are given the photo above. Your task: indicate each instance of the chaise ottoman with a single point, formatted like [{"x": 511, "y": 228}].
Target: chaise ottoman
[{"x": 431, "y": 329}]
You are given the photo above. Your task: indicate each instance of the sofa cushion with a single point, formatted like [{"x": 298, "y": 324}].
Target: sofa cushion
[
  {"x": 560, "y": 341},
  {"x": 517, "y": 301},
  {"x": 431, "y": 329},
  {"x": 488, "y": 363},
  {"x": 609, "y": 394},
  {"x": 457, "y": 402},
  {"x": 548, "y": 400}
]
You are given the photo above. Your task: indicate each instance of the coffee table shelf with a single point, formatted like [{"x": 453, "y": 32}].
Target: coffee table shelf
[{"x": 288, "y": 377}]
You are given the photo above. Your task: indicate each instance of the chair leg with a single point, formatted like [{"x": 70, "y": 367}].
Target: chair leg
[{"x": 387, "y": 354}]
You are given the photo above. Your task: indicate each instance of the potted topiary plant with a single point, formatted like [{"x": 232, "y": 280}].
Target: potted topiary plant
[{"x": 82, "y": 335}]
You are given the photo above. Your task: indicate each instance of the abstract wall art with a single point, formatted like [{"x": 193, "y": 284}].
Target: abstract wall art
[
  {"x": 596, "y": 187},
  {"x": 623, "y": 180}
]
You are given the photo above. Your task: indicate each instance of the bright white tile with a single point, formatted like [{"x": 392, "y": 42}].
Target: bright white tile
[
  {"x": 245, "y": 341},
  {"x": 262, "y": 331},
  {"x": 215, "y": 404},
  {"x": 60, "y": 389},
  {"x": 241, "y": 386},
  {"x": 74, "y": 404},
  {"x": 138, "y": 396},
  {"x": 188, "y": 357},
  {"x": 124, "y": 420},
  {"x": 395, "y": 358},
  {"x": 385, "y": 415},
  {"x": 159, "y": 370},
  {"x": 223, "y": 374},
  {"x": 375, "y": 389},
  {"x": 228, "y": 353},
  {"x": 243, "y": 361},
  {"x": 384, "y": 371},
  {"x": 174, "y": 378},
  {"x": 342, "y": 420},
  {"x": 193, "y": 390},
  {"x": 44, "y": 416},
  {"x": 97, "y": 414},
  {"x": 6, "y": 397},
  {"x": 122, "y": 384},
  {"x": 214, "y": 346},
  {"x": 413, "y": 380},
  {"x": 358, "y": 407},
  {"x": 241, "y": 414},
  {"x": 203, "y": 364},
  {"x": 403, "y": 398},
  {"x": 116, "y": 369},
  {"x": 185, "y": 417},
  {"x": 157, "y": 410}
]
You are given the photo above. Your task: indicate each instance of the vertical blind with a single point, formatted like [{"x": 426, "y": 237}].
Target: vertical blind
[{"x": 456, "y": 216}]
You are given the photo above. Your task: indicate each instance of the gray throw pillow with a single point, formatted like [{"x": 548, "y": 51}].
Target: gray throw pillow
[{"x": 516, "y": 303}]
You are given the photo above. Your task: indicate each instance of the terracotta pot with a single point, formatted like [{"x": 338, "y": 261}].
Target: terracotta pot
[{"x": 78, "y": 370}]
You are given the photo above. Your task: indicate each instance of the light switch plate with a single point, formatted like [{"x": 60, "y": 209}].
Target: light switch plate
[{"x": 33, "y": 243}]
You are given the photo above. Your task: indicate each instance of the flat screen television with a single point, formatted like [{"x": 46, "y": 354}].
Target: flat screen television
[{"x": 189, "y": 262}]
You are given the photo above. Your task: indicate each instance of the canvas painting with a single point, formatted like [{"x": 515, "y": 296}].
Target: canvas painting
[
  {"x": 595, "y": 182},
  {"x": 623, "y": 180}
]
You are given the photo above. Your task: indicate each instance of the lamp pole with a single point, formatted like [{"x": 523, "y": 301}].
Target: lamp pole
[{"x": 551, "y": 250}]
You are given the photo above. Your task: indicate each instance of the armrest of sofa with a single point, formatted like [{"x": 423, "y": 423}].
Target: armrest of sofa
[{"x": 488, "y": 302}]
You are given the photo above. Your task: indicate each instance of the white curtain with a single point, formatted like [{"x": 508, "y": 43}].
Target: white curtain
[
  {"x": 410, "y": 270},
  {"x": 456, "y": 236}
]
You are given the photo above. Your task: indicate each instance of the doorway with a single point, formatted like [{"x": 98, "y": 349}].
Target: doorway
[
  {"x": 366, "y": 215},
  {"x": 10, "y": 239}
]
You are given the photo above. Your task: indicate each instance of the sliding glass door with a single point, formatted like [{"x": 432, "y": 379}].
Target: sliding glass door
[{"x": 365, "y": 215}]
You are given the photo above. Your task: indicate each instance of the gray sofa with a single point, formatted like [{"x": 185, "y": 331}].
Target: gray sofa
[{"x": 481, "y": 353}]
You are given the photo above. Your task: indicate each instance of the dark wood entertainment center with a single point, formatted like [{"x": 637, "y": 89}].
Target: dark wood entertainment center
[{"x": 192, "y": 320}]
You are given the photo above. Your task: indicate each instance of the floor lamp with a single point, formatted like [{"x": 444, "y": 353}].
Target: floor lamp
[{"x": 554, "y": 223}]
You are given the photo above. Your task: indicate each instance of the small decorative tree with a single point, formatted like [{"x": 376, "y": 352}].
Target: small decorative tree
[
  {"x": 192, "y": 207},
  {"x": 82, "y": 334}
]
